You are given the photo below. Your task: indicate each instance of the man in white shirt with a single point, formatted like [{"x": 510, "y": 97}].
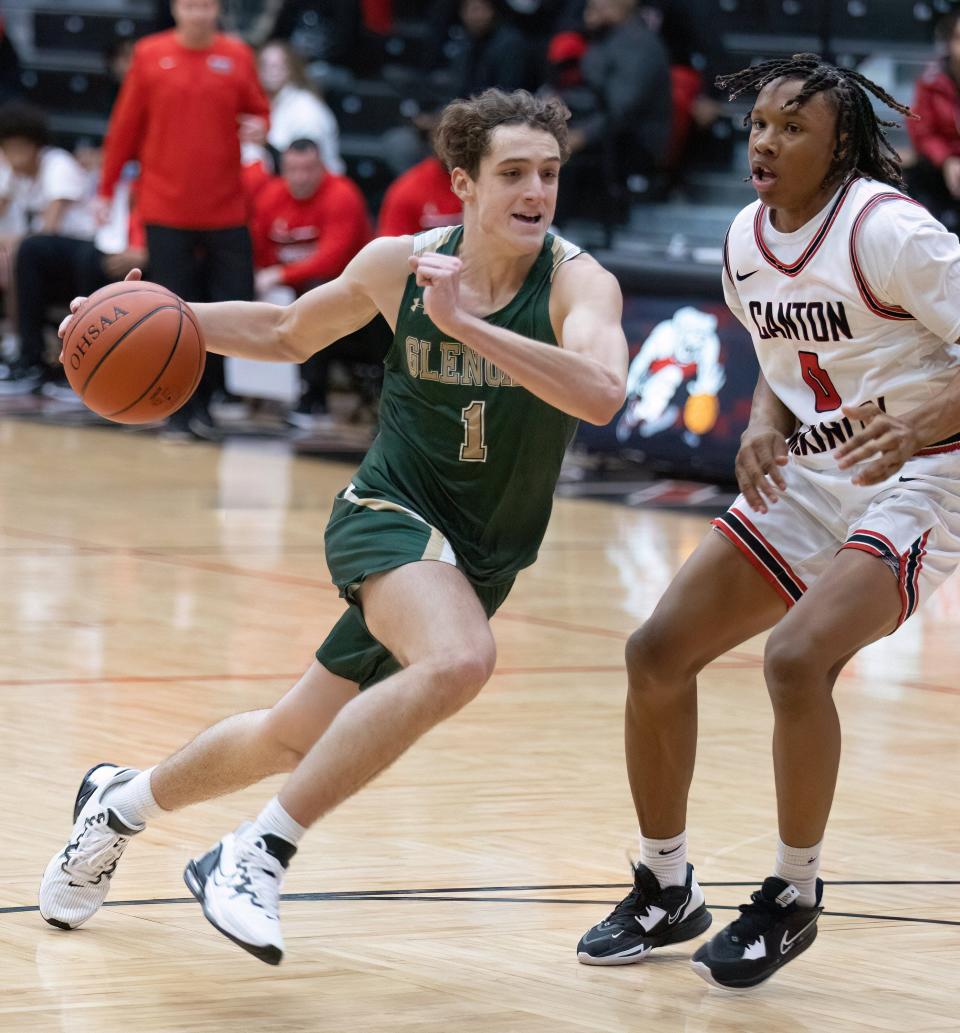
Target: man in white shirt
[{"x": 39, "y": 190}]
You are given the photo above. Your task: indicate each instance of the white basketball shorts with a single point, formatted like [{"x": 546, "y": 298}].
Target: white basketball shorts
[{"x": 910, "y": 521}]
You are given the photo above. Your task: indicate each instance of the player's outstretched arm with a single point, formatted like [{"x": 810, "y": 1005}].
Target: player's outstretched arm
[
  {"x": 372, "y": 282},
  {"x": 585, "y": 376}
]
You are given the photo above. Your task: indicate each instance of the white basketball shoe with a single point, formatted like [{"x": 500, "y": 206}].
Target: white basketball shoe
[
  {"x": 77, "y": 879},
  {"x": 238, "y": 886}
]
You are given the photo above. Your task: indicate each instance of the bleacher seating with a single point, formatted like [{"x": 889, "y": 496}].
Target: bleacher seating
[
  {"x": 63, "y": 44},
  {"x": 73, "y": 31},
  {"x": 367, "y": 107},
  {"x": 76, "y": 92}
]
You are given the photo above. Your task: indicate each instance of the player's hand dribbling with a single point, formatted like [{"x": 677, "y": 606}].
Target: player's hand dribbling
[
  {"x": 440, "y": 275},
  {"x": 78, "y": 303},
  {"x": 885, "y": 439},
  {"x": 763, "y": 451}
]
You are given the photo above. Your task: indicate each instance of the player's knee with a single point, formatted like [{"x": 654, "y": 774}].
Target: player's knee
[
  {"x": 460, "y": 677},
  {"x": 656, "y": 660},
  {"x": 795, "y": 671}
]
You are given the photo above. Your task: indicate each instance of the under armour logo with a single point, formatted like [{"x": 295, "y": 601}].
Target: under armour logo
[{"x": 417, "y": 303}]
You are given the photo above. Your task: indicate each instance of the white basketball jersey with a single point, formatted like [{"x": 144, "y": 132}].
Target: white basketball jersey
[{"x": 860, "y": 304}]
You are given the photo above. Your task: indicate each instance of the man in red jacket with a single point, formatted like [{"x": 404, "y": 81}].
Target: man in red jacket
[
  {"x": 419, "y": 199},
  {"x": 307, "y": 225},
  {"x": 190, "y": 94},
  {"x": 935, "y": 179}
]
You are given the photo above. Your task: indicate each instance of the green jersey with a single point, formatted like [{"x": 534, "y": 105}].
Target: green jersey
[{"x": 460, "y": 444}]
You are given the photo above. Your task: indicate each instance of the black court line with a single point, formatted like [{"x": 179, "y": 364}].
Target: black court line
[{"x": 467, "y": 895}]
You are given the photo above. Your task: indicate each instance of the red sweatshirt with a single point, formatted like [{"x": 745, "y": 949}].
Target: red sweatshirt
[
  {"x": 936, "y": 135},
  {"x": 178, "y": 113},
  {"x": 419, "y": 199},
  {"x": 313, "y": 239}
]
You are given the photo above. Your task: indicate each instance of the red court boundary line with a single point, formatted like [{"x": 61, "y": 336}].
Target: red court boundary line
[
  {"x": 740, "y": 659},
  {"x": 158, "y": 679},
  {"x": 162, "y": 679},
  {"x": 290, "y": 579}
]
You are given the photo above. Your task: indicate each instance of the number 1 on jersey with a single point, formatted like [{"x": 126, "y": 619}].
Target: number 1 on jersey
[
  {"x": 474, "y": 447},
  {"x": 819, "y": 382}
]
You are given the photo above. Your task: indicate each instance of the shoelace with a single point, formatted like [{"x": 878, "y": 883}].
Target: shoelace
[
  {"x": 755, "y": 918},
  {"x": 258, "y": 875},
  {"x": 97, "y": 851},
  {"x": 634, "y": 901}
]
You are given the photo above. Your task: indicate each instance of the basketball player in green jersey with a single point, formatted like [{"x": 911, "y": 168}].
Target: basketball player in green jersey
[{"x": 504, "y": 336}]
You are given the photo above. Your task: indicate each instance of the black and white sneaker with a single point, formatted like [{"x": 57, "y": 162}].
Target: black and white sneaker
[
  {"x": 649, "y": 916},
  {"x": 77, "y": 879},
  {"x": 770, "y": 931},
  {"x": 237, "y": 883},
  {"x": 21, "y": 380}
]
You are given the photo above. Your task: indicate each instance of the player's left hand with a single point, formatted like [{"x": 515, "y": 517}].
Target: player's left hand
[
  {"x": 440, "y": 275},
  {"x": 886, "y": 440},
  {"x": 78, "y": 303}
]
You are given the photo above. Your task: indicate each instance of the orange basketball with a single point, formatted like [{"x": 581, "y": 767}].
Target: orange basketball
[{"x": 134, "y": 352}]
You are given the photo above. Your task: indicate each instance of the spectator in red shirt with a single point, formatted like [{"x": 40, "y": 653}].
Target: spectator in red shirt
[
  {"x": 935, "y": 179},
  {"x": 189, "y": 98},
  {"x": 419, "y": 199},
  {"x": 308, "y": 224}
]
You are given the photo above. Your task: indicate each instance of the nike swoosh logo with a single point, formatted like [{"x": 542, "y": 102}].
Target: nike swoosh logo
[
  {"x": 616, "y": 936},
  {"x": 788, "y": 941},
  {"x": 905, "y": 479},
  {"x": 664, "y": 853},
  {"x": 746, "y": 276},
  {"x": 671, "y": 919}
]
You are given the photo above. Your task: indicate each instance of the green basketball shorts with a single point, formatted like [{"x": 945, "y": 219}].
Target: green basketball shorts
[{"x": 367, "y": 536}]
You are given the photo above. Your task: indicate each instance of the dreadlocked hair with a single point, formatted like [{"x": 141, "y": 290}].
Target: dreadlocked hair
[{"x": 861, "y": 144}]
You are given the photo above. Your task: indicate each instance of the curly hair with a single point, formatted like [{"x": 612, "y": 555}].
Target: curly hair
[
  {"x": 861, "y": 145},
  {"x": 462, "y": 136}
]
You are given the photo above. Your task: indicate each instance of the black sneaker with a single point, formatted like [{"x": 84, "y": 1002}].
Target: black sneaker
[
  {"x": 770, "y": 931},
  {"x": 21, "y": 380},
  {"x": 648, "y": 916}
]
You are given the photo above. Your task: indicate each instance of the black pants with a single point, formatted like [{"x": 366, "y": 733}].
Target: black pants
[
  {"x": 202, "y": 265},
  {"x": 51, "y": 270},
  {"x": 925, "y": 183},
  {"x": 363, "y": 349}
]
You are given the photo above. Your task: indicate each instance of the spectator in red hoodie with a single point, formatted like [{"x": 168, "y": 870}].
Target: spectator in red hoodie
[
  {"x": 935, "y": 179},
  {"x": 419, "y": 199},
  {"x": 307, "y": 225},
  {"x": 189, "y": 97}
]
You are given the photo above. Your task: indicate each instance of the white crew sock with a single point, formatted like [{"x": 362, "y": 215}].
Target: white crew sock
[
  {"x": 666, "y": 858},
  {"x": 274, "y": 820},
  {"x": 800, "y": 865},
  {"x": 133, "y": 800}
]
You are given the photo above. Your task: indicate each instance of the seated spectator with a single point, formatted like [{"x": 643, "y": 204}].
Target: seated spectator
[
  {"x": 332, "y": 37},
  {"x": 52, "y": 269},
  {"x": 39, "y": 190},
  {"x": 692, "y": 51},
  {"x": 622, "y": 115},
  {"x": 296, "y": 112},
  {"x": 478, "y": 48},
  {"x": 308, "y": 223},
  {"x": 419, "y": 199},
  {"x": 935, "y": 133},
  {"x": 471, "y": 48}
]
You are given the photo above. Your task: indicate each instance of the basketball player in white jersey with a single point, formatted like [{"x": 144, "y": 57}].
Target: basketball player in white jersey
[{"x": 849, "y": 515}]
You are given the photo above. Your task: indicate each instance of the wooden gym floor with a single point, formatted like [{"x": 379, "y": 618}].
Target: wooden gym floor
[{"x": 150, "y": 588}]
